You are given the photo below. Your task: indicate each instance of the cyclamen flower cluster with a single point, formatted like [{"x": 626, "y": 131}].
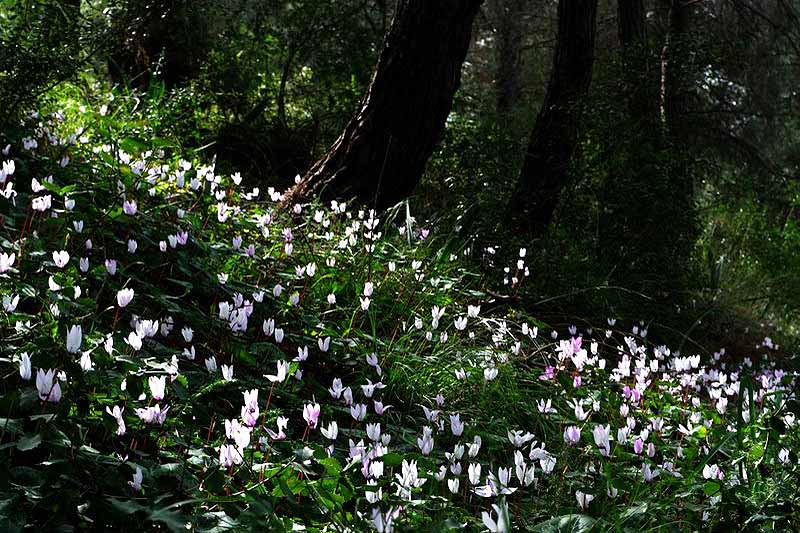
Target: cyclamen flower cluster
[{"x": 313, "y": 257}]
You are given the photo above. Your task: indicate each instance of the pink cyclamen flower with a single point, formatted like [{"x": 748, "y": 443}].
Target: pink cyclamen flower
[
  {"x": 602, "y": 436},
  {"x": 61, "y": 258},
  {"x": 638, "y": 445},
  {"x": 572, "y": 434},
  {"x": 425, "y": 442},
  {"x": 713, "y": 471},
  {"x": 129, "y": 207},
  {"x": 250, "y": 408},
  {"x": 124, "y": 297},
  {"x": 311, "y": 414},
  {"x": 74, "y": 339},
  {"x": 116, "y": 413},
  {"x": 47, "y": 386},
  {"x": 25, "y": 366},
  {"x": 358, "y": 411},
  {"x": 456, "y": 425},
  {"x": 380, "y": 408},
  {"x": 649, "y": 473},
  {"x": 152, "y": 415},
  {"x": 229, "y": 455},
  {"x": 157, "y": 386},
  {"x": 6, "y": 261},
  {"x": 283, "y": 423},
  {"x": 576, "y": 344}
]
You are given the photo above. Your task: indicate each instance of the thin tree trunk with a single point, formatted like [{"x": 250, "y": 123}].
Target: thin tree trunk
[
  {"x": 509, "y": 35},
  {"x": 630, "y": 23},
  {"x": 678, "y": 214},
  {"x": 381, "y": 155},
  {"x": 637, "y": 81},
  {"x": 280, "y": 101},
  {"x": 674, "y": 70},
  {"x": 554, "y": 135}
]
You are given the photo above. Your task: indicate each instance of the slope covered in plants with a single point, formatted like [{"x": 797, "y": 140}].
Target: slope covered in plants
[{"x": 183, "y": 351}]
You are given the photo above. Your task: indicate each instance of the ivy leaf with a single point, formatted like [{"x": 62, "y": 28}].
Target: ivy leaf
[
  {"x": 574, "y": 523},
  {"x": 29, "y": 442},
  {"x": 11, "y": 426}
]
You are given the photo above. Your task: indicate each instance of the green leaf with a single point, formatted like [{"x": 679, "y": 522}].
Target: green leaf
[
  {"x": 574, "y": 523},
  {"x": 29, "y": 442},
  {"x": 711, "y": 488},
  {"x": 11, "y": 426},
  {"x": 174, "y": 520},
  {"x": 332, "y": 466},
  {"x": 635, "y": 510},
  {"x": 756, "y": 452},
  {"x": 126, "y": 506},
  {"x": 392, "y": 459},
  {"x": 245, "y": 357}
]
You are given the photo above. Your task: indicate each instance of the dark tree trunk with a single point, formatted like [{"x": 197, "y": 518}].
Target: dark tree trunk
[
  {"x": 630, "y": 23},
  {"x": 380, "y": 156},
  {"x": 509, "y": 35},
  {"x": 675, "y": 71},
  {"x": 637, "y": 80},
  {"x": 280, "y": 100},
  {"x": 554, "y": 135}
]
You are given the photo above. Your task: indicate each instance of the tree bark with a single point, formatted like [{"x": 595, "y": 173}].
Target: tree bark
[
  {"x": 509, "y": 35},
  {"x": 630, "y": 23},
  {"x": 675, "y": 69},
  {"x": 677, "y": 72},
  {"x": 554, "y": 135},
  {"x": 638, "y": 81},
  {"x": 381, "y": 155}
]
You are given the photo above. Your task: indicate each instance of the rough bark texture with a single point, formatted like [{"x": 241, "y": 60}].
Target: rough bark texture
[
  {"x": 510, "y": 28},
  {"x": 380, "y": 156},
  {"x": 554, "y": 135}
]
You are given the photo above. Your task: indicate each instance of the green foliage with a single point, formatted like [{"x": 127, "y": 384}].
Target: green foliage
[
  {"x": 269, "y": 86},
  {"x": 42, "y": 43},
  {"x": 67, "y": 463}
]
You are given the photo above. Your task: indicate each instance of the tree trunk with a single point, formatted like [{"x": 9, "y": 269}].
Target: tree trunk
[
  {"x": 554, "y": 135},
  {"x": 381, "y": 155},
  {"x": 509, "y": 35},
  {"x": 630, "y": 23},
  {"x": 677, "y": 72},
  {"x": 637, "y": 80},
  {"x": 674, "y": 71}
]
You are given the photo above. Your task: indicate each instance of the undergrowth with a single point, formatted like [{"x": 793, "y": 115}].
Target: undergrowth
[{"x": 183, "y": 351}]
